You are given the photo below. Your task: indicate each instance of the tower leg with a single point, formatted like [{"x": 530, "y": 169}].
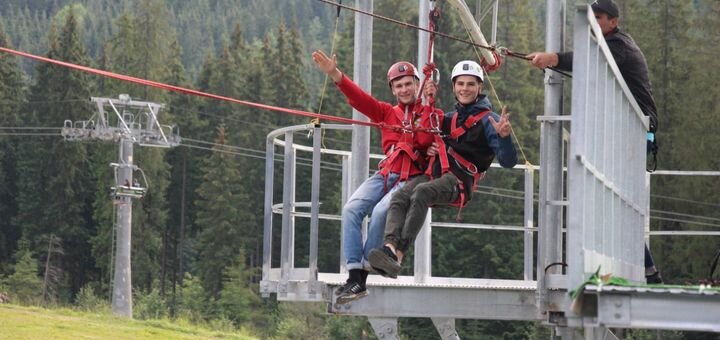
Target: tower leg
[
  {"x": 446, "y": 328},
  {"x": 385, "y": 328}
]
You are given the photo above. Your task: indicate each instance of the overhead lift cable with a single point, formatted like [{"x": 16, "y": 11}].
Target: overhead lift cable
[
  {"x": 505, "y": 51},
  {"x": 407, "y": 25}
]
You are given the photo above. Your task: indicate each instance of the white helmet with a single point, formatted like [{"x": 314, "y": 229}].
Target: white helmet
[{"x": 467, "y": 68}]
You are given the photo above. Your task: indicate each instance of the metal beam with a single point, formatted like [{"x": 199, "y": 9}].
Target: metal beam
[
  {"x": 655, "y": 308},
  {"x": 443, "y": 302}
]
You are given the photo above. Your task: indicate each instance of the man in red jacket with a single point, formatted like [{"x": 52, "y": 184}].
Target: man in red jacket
[{"x": 405, "y": 150}]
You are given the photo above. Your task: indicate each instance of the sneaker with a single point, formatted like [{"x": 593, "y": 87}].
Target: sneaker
[
  {"x": 383, "y": 273},
  {"x": 654, "y": 279},
  {"x": 349, "y": 292},
  {"x": 341, "y": 290},
  {"x": 384, "y": 261}
]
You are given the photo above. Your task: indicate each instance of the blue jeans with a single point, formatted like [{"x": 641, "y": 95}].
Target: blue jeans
[{"x": 369, "y": 197}]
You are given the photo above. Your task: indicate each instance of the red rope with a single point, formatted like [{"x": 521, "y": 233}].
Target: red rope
[
  {"x": 430, "y": 66},
  {"x": 190, "y": 91}
]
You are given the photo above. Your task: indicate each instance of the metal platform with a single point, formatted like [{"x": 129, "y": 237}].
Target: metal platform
[
  {"x": 653, "y": 308},
  {"x": 438, "y": 297}
]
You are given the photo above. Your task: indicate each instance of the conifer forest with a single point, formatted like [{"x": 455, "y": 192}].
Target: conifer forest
[{"x": 197, "y": 234}]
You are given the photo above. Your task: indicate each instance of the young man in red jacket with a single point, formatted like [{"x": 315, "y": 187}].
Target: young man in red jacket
[{"x": 405, "y": 155}]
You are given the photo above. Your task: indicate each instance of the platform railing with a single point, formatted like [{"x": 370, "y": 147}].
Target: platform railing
[
  {"x": 292, "y": 283},
  {"x": 607, "y": 189}
]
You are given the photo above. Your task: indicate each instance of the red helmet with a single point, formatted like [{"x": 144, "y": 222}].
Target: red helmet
[{"x": 401, "y": 69}]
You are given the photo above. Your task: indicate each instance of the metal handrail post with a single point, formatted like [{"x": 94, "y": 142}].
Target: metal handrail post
[
  {"x": 314, "y": 210},
  {"x": 529, "y": 224},
  {"x": 287, "y": 239},
  {"x": 267, "y": 225}
]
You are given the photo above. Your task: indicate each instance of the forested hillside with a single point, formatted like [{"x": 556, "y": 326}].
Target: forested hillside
[{"x": 197, "y": 234}]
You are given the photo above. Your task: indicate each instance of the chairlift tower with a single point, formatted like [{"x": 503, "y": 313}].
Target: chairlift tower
[{"x": 126, "y": 122}]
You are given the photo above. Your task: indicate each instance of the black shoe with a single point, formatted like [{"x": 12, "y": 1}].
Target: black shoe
[
  {"x": 384, "y": 261},
  {"x": 349, "y": 292},
  {"x": 382, "y": 273},
  {"x": 341, "y": 290},
  {"x": 654, "y": 279}
]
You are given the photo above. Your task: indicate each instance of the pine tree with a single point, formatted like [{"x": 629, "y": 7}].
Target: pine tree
[
  {"x": 23, "y": 284},
  {"x": 185, "y": 173},
  {"x": 12, "y": 98},
  {"x": 238, "y": 300},
  {"x": 120, "y": 55},
  {"x": 298, "y": 96},
  {"x": 53, "y": 184},
  {"x": 52, "y": 273},
  {"x": 193, "y": 302},
  {"x": 69, "y": 208},
  {"x": 154, "y": 39},
  {"x": 221, "y": 217},
  {"x": 690, "y": 118}
]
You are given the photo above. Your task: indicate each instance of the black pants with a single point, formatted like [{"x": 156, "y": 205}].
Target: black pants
[{"x": 409, "y": 206}]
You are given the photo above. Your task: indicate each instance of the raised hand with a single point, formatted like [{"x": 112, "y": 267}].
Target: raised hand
[
  {"x": 502, "y": 127},
  {"x": 327, "y": 64}
]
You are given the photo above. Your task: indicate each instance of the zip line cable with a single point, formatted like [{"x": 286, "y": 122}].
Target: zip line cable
[
  {"x": 259, "y": 153},
  {"x": 191, "y": 91},
  {"x": 278, "y": 157},
  {"x": 714, "y": 205},
  {"x": 686, "y": 221},
  {"x": 685, "y": 215}
]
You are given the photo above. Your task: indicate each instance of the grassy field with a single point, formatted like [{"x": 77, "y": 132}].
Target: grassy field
[{"x": 18, "y": 322}]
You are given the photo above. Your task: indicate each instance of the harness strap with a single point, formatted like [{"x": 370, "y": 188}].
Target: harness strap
[
  {"x": 469, "y": 167},
  {"x": 477, "y": 176},
  {"x": 440, "y": 156},
  {"x": 396, "y": 151},
  {"x": 457, "y": 131}
]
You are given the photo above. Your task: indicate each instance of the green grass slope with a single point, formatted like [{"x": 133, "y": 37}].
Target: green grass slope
[{"x": 19, "y": 322}]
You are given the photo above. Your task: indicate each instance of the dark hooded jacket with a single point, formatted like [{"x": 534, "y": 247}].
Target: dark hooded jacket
[
  {"x": 633, "y": 67},
  {"x": 479, "y": 145}
]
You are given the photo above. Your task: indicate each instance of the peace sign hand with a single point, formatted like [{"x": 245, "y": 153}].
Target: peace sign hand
[
  {"x": 430, "y": 89},
  {"x": 502, "y": 127}
]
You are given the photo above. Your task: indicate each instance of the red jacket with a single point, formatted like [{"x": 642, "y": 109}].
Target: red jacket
[{"x": 413, "y": 145}]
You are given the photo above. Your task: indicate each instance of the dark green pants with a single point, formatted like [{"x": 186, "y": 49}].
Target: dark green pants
[{"x": 409, "y": 206}]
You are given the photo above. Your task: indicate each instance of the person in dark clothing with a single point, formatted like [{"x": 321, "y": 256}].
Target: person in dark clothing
[
  {"x": 474, "y": 136},
  {"x": 628, "y": 57},
  {"x": 633, "y": 67}
]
